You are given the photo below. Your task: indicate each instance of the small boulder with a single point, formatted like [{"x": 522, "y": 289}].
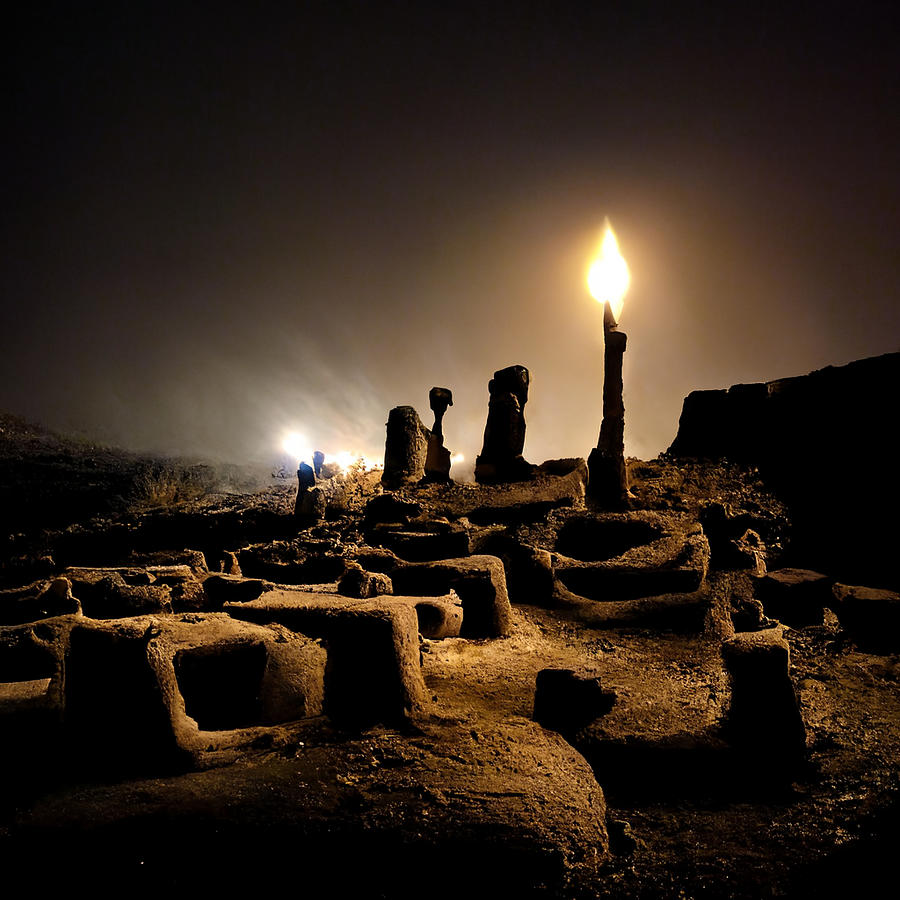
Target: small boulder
[{"x": 357, "y": 582}]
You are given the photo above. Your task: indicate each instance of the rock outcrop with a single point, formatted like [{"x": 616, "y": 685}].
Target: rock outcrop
[{"x": 819, "y": 439}]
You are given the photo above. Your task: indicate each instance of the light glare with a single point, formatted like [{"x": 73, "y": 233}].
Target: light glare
[{"x": 608, "y": 277}]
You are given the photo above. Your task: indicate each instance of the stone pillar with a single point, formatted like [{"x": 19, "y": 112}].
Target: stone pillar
[
  {"x": 310, "y": 502},
  {"x": 608, "y": 480},
  {"x": 504, "y": 434},
  {"x": 405, "y": 448},
  {"x": 437, "y": 459}
]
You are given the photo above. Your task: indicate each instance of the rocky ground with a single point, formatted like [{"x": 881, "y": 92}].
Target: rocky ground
[{"x": 637, "y": 789}]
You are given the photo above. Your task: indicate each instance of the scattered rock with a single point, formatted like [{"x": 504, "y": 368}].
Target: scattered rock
[{"x": 311, "y": 504}]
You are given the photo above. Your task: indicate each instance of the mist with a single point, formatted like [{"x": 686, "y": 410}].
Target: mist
[{"x": 221, "y": 232}]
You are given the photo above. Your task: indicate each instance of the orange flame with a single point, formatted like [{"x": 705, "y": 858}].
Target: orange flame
[{"x": 608, "y": 276}]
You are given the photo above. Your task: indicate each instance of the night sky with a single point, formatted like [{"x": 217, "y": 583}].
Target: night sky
[{"x": 222, "y": 225}]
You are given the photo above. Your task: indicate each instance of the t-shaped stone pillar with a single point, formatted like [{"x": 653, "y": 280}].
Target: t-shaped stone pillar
[{"x": 437, "y": 459}]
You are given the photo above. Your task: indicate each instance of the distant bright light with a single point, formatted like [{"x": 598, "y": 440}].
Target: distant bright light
[
  {"x": 297, "y": 446},
  {"x": 457, "y": 458},
  {"x": 608, "y": 276},
  {"x": 347, "y": 460}
]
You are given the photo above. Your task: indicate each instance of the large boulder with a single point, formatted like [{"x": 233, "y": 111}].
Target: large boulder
[
  {"x": 796, "y": 597},
  {"x": 869, "y": 615}
]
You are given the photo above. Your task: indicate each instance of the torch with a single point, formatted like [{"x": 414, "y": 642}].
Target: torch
[{"x": 608, "y": 279}]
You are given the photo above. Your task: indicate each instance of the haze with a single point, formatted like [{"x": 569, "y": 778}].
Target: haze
[{"x": 224, "y": 226}]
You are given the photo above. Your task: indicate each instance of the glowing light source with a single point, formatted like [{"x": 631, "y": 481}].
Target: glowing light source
[
  {"x": 346, "y": 460},
  {"x": 608, "y": 276},
  {"x": 457, "y": 458},
  {"x": 297, "y": 446}
]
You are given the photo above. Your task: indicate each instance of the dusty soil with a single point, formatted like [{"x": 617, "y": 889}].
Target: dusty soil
[{"x": 473, "y": 797}]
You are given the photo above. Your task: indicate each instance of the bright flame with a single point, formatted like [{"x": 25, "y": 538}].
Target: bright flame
[{"x": 608, "y": 276}]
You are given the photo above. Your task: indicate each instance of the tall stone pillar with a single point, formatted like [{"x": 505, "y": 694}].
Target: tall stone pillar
[{"x": 504, "y": 434}]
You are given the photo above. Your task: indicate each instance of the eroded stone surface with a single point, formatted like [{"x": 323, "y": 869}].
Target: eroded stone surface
[{"x": 405, "y": 448}]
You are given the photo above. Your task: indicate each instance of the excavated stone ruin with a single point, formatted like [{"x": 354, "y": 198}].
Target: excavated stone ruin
[{"x": 450, "y": 671}]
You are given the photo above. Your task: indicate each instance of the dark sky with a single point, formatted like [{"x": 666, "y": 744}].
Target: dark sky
[{"x": 223, "y": 225}]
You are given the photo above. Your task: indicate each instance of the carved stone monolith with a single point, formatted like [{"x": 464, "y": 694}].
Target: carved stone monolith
[{"x": 504, "y": 434}]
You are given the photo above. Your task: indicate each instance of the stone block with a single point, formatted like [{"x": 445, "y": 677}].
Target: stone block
[
  {"x": 795, "y": 597},
  {"x": 373, "y": 650},
  {"x": 764, "y": 718},
  {"x": 480, "y": 582},
  {"x": 160, "y": 693},
  {"x": 869, "y": 615}
]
